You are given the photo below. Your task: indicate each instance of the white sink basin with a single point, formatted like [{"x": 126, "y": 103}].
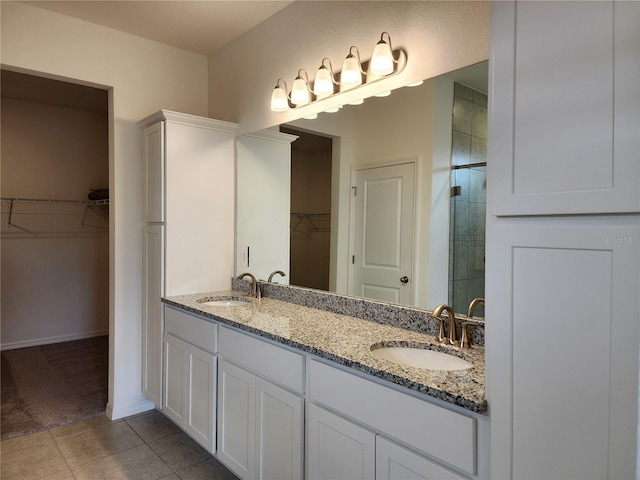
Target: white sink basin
[
  {"x": 421, "y": 358},
  {"x": 224, "y": 302}
]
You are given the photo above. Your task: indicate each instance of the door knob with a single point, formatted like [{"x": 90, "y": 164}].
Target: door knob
[{"x": 404, "y": 279}]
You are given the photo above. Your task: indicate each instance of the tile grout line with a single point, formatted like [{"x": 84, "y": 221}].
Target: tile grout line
[
  {"x": 63, "y": 457},
  {"x": 111, "y": 423},
  {"x": 60, "y": 439},
  {"x": 151, "y": 448}
]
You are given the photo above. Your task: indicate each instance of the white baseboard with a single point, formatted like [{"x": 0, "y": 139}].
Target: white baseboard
[
  {"x": 46, "y": 341},
  {"x": 134, "y": 408}
]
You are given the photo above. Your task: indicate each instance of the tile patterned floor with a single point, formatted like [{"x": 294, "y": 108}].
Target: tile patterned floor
[{"x": 142, "y": 447}]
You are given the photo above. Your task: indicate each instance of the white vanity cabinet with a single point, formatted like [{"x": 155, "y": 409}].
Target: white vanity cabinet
[
  {"x": 190, "y": 375},
  {"x": 260, "y": 408},
  {"x": 356, "y": 427},
  {"x": 188, "y": 220},
  {"x": 338, "y": 448},
  {"x": 554, "y": 151},
  {"x": 152, "y": 312},
  {"x": 563, "y": 235},
  {"x": 394, "y": 462}
]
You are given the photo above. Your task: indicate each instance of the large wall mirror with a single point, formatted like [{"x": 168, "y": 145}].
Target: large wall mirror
[{"x": 384, "y": 200}]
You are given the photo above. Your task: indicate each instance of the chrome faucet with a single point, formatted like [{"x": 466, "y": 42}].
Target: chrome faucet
[
  {"x": 472, "y": 306},
  {"x": 277, "y": 272},
  {"x": 254, "y": 289},
  {"x": 437, "y": 313}
]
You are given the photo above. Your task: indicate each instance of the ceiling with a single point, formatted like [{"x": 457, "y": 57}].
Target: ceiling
[{"x": 200, "y": 26}]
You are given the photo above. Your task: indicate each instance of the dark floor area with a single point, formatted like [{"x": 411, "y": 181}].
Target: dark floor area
[{"x": 53, "y": 385}]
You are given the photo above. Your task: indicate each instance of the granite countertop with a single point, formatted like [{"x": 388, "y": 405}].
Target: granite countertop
[{"x": 347, "y": 340}]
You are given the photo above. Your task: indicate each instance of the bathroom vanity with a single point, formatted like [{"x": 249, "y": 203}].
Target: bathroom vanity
[{"x": 279, "y": 390}]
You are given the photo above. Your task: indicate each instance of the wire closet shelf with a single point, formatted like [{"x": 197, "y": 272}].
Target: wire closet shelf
[{"x": 41, "y": 217}]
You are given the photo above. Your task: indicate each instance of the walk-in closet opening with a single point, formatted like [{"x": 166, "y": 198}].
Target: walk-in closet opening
[
  {"x": 310, "y": 224},
  {"x": 54, "y": 252}
]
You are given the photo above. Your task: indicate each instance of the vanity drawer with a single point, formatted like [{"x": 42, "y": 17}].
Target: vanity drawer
[
  {"x": 425, "y": 427},
  {"x": 191, "y": 329},
  {"x": 272, "y": 362}
]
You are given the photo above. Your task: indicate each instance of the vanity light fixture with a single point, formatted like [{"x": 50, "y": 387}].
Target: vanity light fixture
[{"x": 384, "y": 62}]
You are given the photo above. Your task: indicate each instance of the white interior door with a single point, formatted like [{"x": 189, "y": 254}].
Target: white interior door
[{"x": 382, "y": 254}]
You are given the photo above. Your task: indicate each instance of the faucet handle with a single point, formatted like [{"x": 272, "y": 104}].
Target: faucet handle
[{"x": 464, "y": 341}]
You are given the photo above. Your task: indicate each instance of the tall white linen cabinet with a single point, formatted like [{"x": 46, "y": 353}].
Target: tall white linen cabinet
[
  {"x": 188, "y": 221},
  {"x": 563, "y": 239}
]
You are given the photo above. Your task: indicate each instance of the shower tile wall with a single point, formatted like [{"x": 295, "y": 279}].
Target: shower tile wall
[{"x": 468, "y": 210}]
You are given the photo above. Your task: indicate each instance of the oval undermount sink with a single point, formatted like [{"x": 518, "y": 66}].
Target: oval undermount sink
[
  {"x": 421, "y": 358},
  {"x": 224, "y": 301}
]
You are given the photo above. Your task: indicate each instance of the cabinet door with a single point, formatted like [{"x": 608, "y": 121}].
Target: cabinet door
[
  {"x": 236, "y": 414},
  {"x": 574, "y": 291},
  {"x": 153, "y": 170},
  {"x": 175, "y": 379},
  {"x": 152, "y": 313},
  {"x": 201, "y": 397},
  {"x": 279, "y": 433},
  {"x": 394, "y": 462},
  {"x": 565, "y": 108},
  {"x": 337, "y": 448}
]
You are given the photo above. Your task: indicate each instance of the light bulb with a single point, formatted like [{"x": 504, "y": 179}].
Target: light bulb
[
  {"x": 382, "y": 59},
  {"x": 351, "y": 74},
  {"x": 323, "y": 84},
  {"x": 300, "y": 92},
  {"x": 279, "y": 100}
]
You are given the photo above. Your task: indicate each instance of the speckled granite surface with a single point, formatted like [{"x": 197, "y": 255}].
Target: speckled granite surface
[
  {"x": 411, "y": 318},
  {"x": 346, "y": 340}
]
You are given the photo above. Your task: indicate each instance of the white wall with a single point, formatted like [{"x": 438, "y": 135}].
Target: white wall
[
  {"x": 438, "y": 37},
  {"x": 143, "y": 77},
  {"x": 55, "y": 287}
]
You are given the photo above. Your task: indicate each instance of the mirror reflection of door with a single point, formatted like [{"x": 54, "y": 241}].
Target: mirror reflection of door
[
  {"x": 382, "y": 255},
  {"x": 310, "y": 220}
]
